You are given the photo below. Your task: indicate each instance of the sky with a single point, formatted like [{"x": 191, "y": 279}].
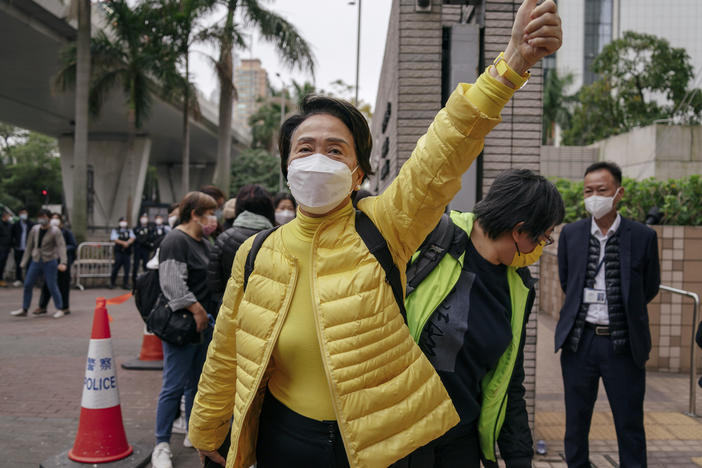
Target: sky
[{"x": 329, "y": 26}]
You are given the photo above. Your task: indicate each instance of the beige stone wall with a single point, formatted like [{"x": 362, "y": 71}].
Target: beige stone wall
[{"x": 670, "y": 315}]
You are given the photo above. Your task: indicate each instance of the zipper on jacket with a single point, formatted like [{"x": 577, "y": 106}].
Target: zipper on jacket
[
  {"x": 269, "y": 352},
  {"x": 497, "y": 421},
  {"x": 322, "y": 348}
]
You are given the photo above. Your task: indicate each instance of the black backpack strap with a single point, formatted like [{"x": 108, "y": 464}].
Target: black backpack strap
[
  {"x": 377, "y": 245},
  {"x": 431, "y": 252},
  {"x": 255, "y": 247}
]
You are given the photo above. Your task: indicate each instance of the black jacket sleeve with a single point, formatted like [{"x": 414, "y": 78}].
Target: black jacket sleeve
[
  {"x": 214, "y": 269},
  {"x": 652, "y": 273},
  {"x": 563, "y": 259},
  {"x": 515, "y": 441}
]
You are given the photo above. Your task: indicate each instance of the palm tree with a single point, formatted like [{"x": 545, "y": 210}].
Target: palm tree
[
  {"x": 125, "y": 59},
  {"x": 179, "y": 27},
  {"x": 292, "y": 49},
  {"x": 555, "y": 104},
  {"x": 79, "y": 215}
]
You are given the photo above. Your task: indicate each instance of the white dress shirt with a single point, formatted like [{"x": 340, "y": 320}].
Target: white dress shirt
[{"x": 598, "y": 313}]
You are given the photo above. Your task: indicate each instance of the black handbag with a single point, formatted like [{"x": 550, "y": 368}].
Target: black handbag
[{"x": 176, "y": 327}]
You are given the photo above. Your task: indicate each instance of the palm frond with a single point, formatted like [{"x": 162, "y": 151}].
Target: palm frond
[
  {"x": 291, "y": 47},
  {"x": 100, "y": 88}
]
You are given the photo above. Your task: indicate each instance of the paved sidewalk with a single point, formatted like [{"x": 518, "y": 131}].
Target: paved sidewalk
[
  {"x": 673, "y": 438},
  {"x": 42, "y": 363}
]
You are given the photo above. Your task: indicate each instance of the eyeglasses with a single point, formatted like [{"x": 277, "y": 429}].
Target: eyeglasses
[{"x": 547, "y": 240}]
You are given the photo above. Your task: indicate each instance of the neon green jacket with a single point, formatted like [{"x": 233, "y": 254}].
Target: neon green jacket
[{"x": 497, "y": 401}]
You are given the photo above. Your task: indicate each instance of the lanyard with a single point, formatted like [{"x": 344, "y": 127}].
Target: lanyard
[{"x": 599, "y": 266}]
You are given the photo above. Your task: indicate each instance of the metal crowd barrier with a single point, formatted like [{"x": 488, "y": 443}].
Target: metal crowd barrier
[
  {"x": 693, "y": 368},
  {"x": 93, "y": 260}
]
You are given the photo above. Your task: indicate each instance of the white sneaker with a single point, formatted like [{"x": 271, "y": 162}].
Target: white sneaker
[
  {"x": 62, "y": 313},
  {"x": 17, "y": 284},
  {"x": 161, "y": 456},
  {"x": 179, "y": 425},
  {"x": 186, "y": 442},
  {"x": 19, "y": 312}
]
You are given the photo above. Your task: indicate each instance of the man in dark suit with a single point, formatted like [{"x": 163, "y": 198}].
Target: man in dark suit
[{"x": 609, "y": 272}]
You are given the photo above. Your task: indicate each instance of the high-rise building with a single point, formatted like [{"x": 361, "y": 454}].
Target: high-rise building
[
  {"x": 589, "y": 25},
  {"x": 251, "y": 81}
]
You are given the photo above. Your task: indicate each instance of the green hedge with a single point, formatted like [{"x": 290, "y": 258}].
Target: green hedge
[{"x": 680, "y": 200}]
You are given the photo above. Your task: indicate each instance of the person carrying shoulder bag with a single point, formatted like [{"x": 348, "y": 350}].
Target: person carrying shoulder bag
[{"x": 182, "y": 269}]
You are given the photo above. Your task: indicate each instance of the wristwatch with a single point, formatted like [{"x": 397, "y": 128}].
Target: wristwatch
[{"x": 508, "y": 74}]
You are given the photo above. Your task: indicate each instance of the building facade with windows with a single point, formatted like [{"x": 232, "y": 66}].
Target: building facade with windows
[
  {"x": 589, "y": 25},
  {"x": 251, "y": 81}
]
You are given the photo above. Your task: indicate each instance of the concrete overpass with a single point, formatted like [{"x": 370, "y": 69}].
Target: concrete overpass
[{"x": 32, "y": 35}]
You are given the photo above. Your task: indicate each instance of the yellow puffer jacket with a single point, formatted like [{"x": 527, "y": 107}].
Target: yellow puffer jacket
[{"x": 388, "y": 399}]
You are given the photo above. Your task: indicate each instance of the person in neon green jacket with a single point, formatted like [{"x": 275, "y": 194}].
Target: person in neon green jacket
[{"x": 469, "y": 318}]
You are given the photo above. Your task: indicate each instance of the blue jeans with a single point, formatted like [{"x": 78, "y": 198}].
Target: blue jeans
[
  {"x": 182, "y": 366},
  {"x": 49, "y": 269}
]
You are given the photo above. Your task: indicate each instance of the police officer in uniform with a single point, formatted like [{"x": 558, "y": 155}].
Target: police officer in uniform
[
  {"x": 158, "y": 232},
  {"x": 142, "y": 245},
  {"x": 123, "y": 237}
]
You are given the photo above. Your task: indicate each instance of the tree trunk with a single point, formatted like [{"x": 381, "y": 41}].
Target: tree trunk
[
  {"x": 79, "y": 212},
  {"x": 186, "y": 129},
  {"x": 223, "y": 170},
  {"x": 131, "y": 160}
]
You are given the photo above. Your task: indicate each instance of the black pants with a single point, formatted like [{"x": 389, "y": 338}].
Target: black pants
[
  {"x": 18, "y": 259},
  {"x": 121, "y": 260},
  {"x": 141, "y": 257},
  {"x": 625, "y": 384},
  {"x": 287, "y": 439},
  {"x": 63, "y": 278},
  {"x": 459, "y": 447},
  {"x": 4, "y": 253}
]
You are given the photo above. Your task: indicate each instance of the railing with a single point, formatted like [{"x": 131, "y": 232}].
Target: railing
[
  {"x": 93, "y": 260},
  {"x": 693, "y": 387}
]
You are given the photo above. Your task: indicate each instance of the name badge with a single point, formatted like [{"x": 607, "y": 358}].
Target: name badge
[{"x": 595, "y": 296}]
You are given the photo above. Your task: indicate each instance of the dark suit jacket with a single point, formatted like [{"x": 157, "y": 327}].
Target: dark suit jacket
[
  {"x": 638, "y": 257},
  {"x": 16, "y": 233}
]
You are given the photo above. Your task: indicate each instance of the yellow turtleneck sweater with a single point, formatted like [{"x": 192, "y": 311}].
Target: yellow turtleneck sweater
[{"x": 299, "y": 380}]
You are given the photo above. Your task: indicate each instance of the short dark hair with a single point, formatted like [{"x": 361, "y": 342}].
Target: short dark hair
[
  {"x": 199, "y": 202},
  {"x": 519, "y": 195},
  {"x": 213, "y": 191},
  {"x": 613, "y": 169},
  {"x": 280, "y": 196},
  {"x": 44, "y": 212},
  {"x": 343, "y": 110},
  {"x": 255, "y": 199}
]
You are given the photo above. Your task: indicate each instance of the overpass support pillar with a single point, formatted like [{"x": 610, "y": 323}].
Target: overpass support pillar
[
  {"x": 169, "y": 177},
  {"x": 115, "y": 178}
]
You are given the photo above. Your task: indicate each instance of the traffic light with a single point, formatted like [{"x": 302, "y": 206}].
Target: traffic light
[{"x": 44, "y": 192}]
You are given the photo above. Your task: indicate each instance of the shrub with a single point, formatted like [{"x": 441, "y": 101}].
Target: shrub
[{"x": 678, "y": 199}]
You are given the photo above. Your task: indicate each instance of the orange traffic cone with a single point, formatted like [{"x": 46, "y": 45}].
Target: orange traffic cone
[
  {"x": 101, "y": 437},
  {"x": 150, "y": 356}
]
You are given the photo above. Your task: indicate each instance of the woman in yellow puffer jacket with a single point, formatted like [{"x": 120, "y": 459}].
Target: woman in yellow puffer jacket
[{"x": 312, "y": 359}]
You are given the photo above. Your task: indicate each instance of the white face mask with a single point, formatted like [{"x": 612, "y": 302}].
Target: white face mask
[
  {"x": 599, "y": 206},
  {"x": 158, "y": 221},
  {"x": 319, "y": 183},
  {"x": 123, "y": 224},
  {"x": 284, "y": 216},
  {"x": 55, "y": 222},
  {"x": 172, "y": 220},
  {"x": 143, "y": 220}
]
